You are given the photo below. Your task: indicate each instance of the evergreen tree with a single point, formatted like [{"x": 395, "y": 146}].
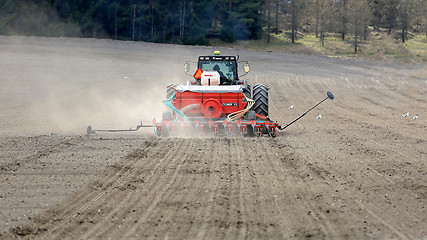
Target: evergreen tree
[{"x": 197, "y": 21}]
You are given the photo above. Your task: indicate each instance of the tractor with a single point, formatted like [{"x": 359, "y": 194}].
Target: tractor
[{"x": 217, "y": 101}]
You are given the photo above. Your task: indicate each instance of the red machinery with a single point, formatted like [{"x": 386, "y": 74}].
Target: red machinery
[
  {"x": 214, "y": 109},
  {"x": 216, "y": 101}
]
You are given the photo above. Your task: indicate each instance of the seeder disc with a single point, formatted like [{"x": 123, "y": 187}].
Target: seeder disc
[{"x": 89, "y": 130}]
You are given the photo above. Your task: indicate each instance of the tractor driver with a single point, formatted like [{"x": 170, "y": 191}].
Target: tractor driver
[{"x": 221, "y": 74}]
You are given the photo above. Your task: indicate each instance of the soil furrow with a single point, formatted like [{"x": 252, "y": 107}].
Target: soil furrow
[{"x": 140, "y": 178}]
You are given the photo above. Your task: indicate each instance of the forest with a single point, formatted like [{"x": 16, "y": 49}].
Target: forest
[{"x": 198, "y": 21}]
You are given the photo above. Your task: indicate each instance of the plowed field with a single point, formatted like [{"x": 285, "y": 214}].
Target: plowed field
[{"x": 358, "y": 172}]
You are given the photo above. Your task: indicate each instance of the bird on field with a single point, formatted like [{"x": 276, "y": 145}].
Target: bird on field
[
  {"x": 405, "y": 115},
  {"x": 319, "y": 117},
  {"x": 291, "y": 107},
  {"x": 415, "y": 117}
]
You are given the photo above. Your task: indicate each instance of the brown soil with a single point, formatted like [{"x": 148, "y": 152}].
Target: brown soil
[{"x": 358, "y": 172}]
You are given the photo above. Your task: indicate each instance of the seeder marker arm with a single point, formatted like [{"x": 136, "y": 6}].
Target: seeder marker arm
[
  {"x": 330, "y": 96},
  {"x": 90, "y": 130}
]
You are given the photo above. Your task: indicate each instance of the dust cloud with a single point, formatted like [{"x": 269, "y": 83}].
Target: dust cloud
[{"x": 60, "y": 86}]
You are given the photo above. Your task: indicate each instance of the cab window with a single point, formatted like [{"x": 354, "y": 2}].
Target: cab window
[{"x": 226, "y": 69}]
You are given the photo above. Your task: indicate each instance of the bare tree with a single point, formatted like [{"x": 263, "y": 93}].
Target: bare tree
[
  {"x": 182, "y": 19},
  {"x": 420, "y": 16},
  {"x": 268, "y": 21},
  {"x": 366, "y": 17},
  {"x": 317, "y": 17},
  {"x": 406, "y": 11},
  {"x": 343, "y": 18},
  {"x": 404, "y": 18},
  {"x": 323, "y": 14},
  {"x": 360, "y": 18},
  {"x": 425, "y": 15},
  {"x": 294, "y": 20},
  {"x": 133, "y": 22},
  {"x": 115, "y": 22},
  {"x": 391, "y": 15},
  {"x": 356, "y": 25},
  {"x": 152, "y": 18},
  {"x": 277, "y": 17}
]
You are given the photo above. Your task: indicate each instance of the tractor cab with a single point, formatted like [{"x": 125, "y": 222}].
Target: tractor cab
[{"x": 224, "y": 66}]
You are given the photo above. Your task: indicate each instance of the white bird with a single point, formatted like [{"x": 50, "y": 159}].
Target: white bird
[
  {"x": 415, "y": 117},
  {"x": 406, "y": 115},
  {"x": 126, "y": 77},
  {"x": 319, "y": 117},
  {"x": 292, "y": 106}
]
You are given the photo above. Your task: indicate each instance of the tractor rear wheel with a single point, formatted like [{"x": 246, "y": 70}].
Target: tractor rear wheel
[{"x": 260, "y": 96}]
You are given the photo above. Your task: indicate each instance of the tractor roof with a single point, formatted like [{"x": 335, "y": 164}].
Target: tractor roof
[{"x": 217, "y": 58}]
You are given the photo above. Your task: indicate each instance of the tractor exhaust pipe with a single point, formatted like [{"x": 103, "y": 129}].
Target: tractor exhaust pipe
[{"x": 329, "y": 95}]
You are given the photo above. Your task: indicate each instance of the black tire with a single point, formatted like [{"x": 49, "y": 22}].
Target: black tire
[
  {"x": 247, "y": 91},
  {"x": 170, "y": 90},
  {"x": 260, "y": 96}
]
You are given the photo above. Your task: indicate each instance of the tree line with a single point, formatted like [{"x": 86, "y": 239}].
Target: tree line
[
  {"x": 197, "y": 21},
  {"x": 352, "y": 17}
]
